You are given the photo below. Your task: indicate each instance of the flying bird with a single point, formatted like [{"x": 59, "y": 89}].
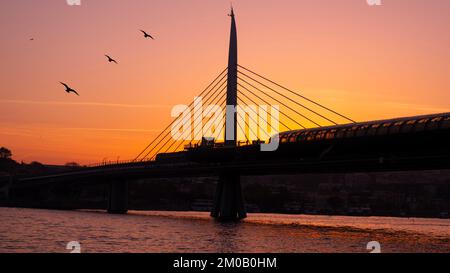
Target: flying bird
[
  {"x": 68, "y": 89},
  {"x": 111, "y": 60},
  {"x": 31, "y": 39},
  {"x": 146, "y": 35}
]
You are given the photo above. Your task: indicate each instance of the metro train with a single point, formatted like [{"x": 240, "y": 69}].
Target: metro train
[{"x": 418, "y": 136}]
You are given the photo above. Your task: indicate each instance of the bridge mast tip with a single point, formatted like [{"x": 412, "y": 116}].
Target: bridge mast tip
[{"x": 232, "y": 11}]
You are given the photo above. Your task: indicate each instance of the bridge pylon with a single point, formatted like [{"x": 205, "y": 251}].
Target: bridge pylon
[
  {"x": 232, "y": 78},
  {"x": 229, "y": 201}
]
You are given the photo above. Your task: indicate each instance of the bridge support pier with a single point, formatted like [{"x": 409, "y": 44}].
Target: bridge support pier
[
  {"x": 229, "y": 201},
  {"x": 118, "y": 197},
  {"x": 7, "y": 189},
  {"x": 4, "y": 193}
]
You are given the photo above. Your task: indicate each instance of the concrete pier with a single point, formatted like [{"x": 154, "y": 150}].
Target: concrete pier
[{"x": 229, "y": 202}]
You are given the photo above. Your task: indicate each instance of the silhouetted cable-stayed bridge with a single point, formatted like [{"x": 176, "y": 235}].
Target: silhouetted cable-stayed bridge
[
  {"x": 314, "y": 139},
  {"x": 236, "y": 81}
]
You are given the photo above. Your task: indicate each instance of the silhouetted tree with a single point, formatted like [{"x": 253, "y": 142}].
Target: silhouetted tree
[
  {"x": 5, "y": 153},
  {"x": 7, "y": 165}
]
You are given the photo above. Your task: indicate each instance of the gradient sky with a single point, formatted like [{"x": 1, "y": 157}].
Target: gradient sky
[{"x": 369, "y": 62}]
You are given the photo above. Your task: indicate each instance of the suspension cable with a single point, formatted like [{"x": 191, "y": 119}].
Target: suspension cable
[
  {"x": 201, "y": 94},
  {"x": 295, "y": 93},
  {"x": 286, "y": 97},
  {"x": 181, "y": 143},
  {"x": 242, "y": 93},
  {"x": 174, "y": 141},
  {"x": 208, "y": 95},
  {"x": 287, "y": 106},
  {"x": 271, "y": 125},
  {"x": 223, "y": 109},
  {"x": 220, "y": 99},
  {"x": 240, "y": 127}
]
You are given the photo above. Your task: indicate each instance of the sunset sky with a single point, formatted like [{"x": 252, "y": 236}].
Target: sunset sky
[{"x": 368, "y": 62}]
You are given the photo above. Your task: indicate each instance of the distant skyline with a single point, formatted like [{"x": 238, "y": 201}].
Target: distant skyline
[{"x": 368, "y": 62}]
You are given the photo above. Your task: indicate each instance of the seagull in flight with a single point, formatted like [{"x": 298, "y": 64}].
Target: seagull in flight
[
  {"x": 68, "y": 89},
  {"x": 111, "y": 60},
  {"x": 146, "y": 35}
]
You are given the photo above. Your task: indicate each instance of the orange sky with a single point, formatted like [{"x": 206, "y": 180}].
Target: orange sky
[{"x": 369, "y": 62}]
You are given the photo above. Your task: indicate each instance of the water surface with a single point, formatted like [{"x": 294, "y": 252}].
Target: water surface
[{"x": 31, "y": 230}]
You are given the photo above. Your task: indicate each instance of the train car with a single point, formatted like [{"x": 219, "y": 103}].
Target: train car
[
  {"x": 380, "y": 128},
  {"x": 418, "y": 135}
]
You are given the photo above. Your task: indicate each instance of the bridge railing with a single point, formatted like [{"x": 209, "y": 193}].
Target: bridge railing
[
  {"x": 112, "y": 163},
  {"x": 115, "y": 163}
]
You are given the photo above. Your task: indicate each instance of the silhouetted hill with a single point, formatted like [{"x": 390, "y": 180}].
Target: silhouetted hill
[{"x": 11, "y": 167}]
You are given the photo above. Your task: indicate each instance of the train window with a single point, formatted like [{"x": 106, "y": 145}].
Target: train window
[
  {"x": 395, "y": 129},
  {"x": 307, "y": 136},
  {"x": 434, "y": 123},
  {"x": 300, "y": 136},
  {"x": 445, "y": 123},
  {"x": 341, "y": 133},
  {"x": 384, "y": 128},
  {"x": 362, "y": 131},
  {"x": 288, "y": 136},
  {"x": 348, "y": 132},
  {"x": 320, "y": 135},
  {"x": 303, "y": 136},
  {"x": 312, "y": 135},
  {"x": 408, "y": 126},
  {"x": 351, "y": 131},
  {"x": 373, "y": 129},
  {"x": 316, "y": 135},
  {"x": 420, "y": 125},
  {"x": 293, "y": 137},
  {"x": 331, "y": 134}
]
